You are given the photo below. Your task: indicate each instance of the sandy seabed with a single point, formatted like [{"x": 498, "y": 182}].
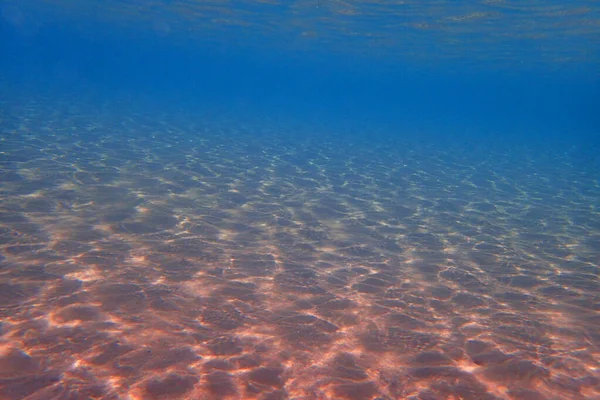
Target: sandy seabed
[{"x": 146, "y": 259}]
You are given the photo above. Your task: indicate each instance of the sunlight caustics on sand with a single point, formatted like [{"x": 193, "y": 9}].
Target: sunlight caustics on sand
[{"x": 160, "y": 261}]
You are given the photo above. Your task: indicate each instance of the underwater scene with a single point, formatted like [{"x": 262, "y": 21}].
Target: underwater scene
[{"x": 299, "y": 199}]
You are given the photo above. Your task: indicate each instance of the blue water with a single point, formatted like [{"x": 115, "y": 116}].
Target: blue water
[{"x": 299, "y": 200}]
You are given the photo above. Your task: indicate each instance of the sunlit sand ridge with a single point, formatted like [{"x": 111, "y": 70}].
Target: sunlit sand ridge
[{"x": 207, "y": 263}]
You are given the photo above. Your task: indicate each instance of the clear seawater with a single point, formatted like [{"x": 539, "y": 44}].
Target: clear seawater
[{"x": 301, "y": 199}]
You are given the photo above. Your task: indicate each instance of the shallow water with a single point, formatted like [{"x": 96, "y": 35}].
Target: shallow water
[
  {"x": 299, "y": 200},
  {"x": 145, "y": 257}
]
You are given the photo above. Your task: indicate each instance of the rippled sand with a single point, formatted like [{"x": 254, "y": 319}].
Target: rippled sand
[{"x": 145, "y": 259}]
